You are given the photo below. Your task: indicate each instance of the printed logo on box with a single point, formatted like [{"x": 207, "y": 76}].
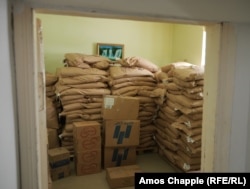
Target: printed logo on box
[
  {"x": 88, "y": 132},
  {"x": 120, "y": 135},
  {"x": 90, "y": 143},
  {"x": 118, "y": 157},
  {"x": 89, "y": 156}
]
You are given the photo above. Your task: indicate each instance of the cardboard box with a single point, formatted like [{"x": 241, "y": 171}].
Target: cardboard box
[
  {"x": 124, "y": 176},
  {"x": 60, "y": 172},
  {"x": 88, "y": 162},
  {"x": 58, "y": 157},
  {"x": 53, "y": 141},
  {"x": 86, "y": 129},
  {"x": 120, "y": 107},
  {"x": 93, "y": 143},
  {"x": 114, "y": 157},
  {"x": 118, "y": 133}
]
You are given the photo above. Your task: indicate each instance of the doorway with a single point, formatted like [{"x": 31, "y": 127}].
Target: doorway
[{"x": 33, "y": 176}]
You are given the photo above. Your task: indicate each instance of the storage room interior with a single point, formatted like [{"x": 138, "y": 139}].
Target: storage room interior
[{"x": 168, "y": 49}]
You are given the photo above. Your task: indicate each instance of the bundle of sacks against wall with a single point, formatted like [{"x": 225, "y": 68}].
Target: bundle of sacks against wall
[
  {"x": 82, "y": 82},
  {"x": 51, "y": 106},
  {"x": 135, "y": 76},
  {"x": 179, "y": 119}
]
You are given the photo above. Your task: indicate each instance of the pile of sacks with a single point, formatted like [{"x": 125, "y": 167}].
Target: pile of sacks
[
  {"x": 135, "y": 76},
  {"x": 179, "y": 120},
  {"x": 82, "y": 82},
  {"x": 52, "y": 108}
]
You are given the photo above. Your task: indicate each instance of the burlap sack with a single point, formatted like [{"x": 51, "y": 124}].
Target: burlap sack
[
  {"x": 184, "y": 101},
  {"x": 121, "y": 72},
  {"x": 75, "y": 60},
  {"x": 88, "y": 85},
  {"x": 71, "y": 97},
  {"x": 123, "y": 90},
  {"x": 51, "y": 115},
  {"x": 136, "y": 61},
  {"x": 195, "y": 116},
  {"x": 144, "y": 113},
  {"x": 166, "y": 116},
  {"x": 166, "y": 143},
  {"x": 145, "y": 122},
  {"x": 188, "y": 111},
  {"x": 102, "y": 65},
  {"x": 151, "y": 109},
  {"x": 191, "y": 73},
  {"x": 91, "y": 59},
  {"x": 190, "y": 123},
  {"x": 80, "y": 79},
  {"x": 74, "y": 71},
  {"x": 81, "y": 111},
  {"x": 78, "y": 106},
  {"x": 188, "y": 159},
  {"x": 162, "y": 77},
  {"x": 131, "y": 79},
  {"x": 191, "y": 141},
  {"x": 170, "y": 111},
  {"x": 189, "y": 149},
  {"x": 193, "y": 96},
  {"x": 184, "y": 166},
  {"x": 68, "y": 127},
  {"x": 173, "y": 87},
  {"x": 50, "y": 88},
  {"x": 196, "y": 89},
  {"x": 170, "y": 155},
  {"x": 81, "y": 100},
  {"x": 165, "y": 126},
  {"x": 50, "y": 79},
  {"x": 188, "y": 131},
  {"x": 85, "y": 92},
  {"x": 185, "y": 84},
  {"x": 149, "y": 128}
]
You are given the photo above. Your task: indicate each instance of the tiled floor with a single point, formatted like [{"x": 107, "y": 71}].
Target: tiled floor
[{"x": 148, "y": 162}]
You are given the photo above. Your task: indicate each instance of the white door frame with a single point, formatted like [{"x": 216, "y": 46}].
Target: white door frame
[{"x": 217, "y": 99}]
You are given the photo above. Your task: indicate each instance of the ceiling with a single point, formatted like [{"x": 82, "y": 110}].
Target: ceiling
[{"x": 190, "y": 10}]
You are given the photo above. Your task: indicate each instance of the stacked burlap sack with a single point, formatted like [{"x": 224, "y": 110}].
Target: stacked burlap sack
[
  {"x": 51, "y": 105},
  {"x": 80, "y": 89},
  {"x": 135, "y": 76},
  {"x": 181, "y": 116}
]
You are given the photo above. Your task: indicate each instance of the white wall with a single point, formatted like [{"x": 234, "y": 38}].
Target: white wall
[
  {"x": 239, "y": 147},
  {"x": 9, "y": 177}
]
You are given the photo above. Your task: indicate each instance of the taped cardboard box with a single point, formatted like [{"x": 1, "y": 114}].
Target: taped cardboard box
[
  {"x": 114, "y": 157},
  {"x": 118, "y": 133},
  {"x": 53, "y": 141},
  {"x": 60, "y": 172},
  {"x": 120, "y": 107},
  {"x": 58, "y": 157},
  {"x": 88, "y": 162},
  {"x": 124, "y": 176},
  {"x": 93, "y": 143},
  {"x": 86, "y": 129}
]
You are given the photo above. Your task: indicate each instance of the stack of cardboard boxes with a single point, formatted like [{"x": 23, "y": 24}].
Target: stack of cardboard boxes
[
  {"x": 121, "y": 130},
  {"x": 59, "y": 163},
  {"x": 87, "y": 147},
  {"x": 120, "y": 139}
]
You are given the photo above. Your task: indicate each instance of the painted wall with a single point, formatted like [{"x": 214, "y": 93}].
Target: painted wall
[
  {"x": 9, "y": 167},
  {"x": 240, "y": 140},
  {"x": 63, "y": 34},
  {"x": 187, "y": 43},
  {"x": 154, "y": 41}
]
